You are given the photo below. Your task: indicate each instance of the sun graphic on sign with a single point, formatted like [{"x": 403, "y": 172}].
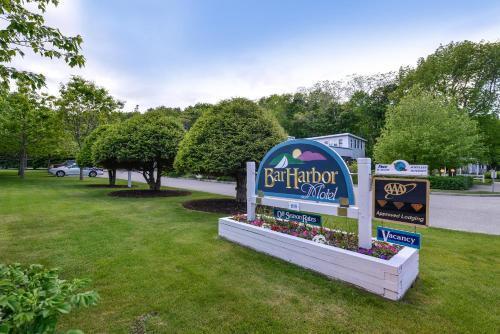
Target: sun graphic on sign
[{"x": 296, "y": 153}]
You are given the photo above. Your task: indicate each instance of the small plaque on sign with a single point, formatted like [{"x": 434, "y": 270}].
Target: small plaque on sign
[
  {"x": 401, "y": 167},
  {"x": 294, "y": 206},
  {"x": 403, "y": 238},
  {"x": 299, "y": 217},
  {"x": 342, "y": 212}
]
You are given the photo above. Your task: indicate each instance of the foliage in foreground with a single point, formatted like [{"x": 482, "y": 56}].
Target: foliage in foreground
[{"x": 33, "y": 298}]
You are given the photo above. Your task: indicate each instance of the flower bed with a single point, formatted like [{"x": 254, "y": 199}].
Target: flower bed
[
  {"x": 323, "y": 235},
  {"x": 389, "y": 278}
]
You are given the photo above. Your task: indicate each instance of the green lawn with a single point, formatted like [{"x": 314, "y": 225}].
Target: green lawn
[{"x": 152, "y": 255}]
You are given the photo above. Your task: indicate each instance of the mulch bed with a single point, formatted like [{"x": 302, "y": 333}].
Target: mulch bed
[
  {"x": 215, "y": 205},
  {"x": 149, "y": 193},
  {"x": 107, "y": 186}
]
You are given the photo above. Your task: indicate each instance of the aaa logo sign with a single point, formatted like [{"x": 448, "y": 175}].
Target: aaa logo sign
[
  {"x": 398, "y": 189},
  {"x": 306, "y": 170},
  {"x": 401, "y": 200}
]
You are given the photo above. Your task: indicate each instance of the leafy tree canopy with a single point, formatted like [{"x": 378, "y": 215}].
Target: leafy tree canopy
[
  {"x": 102, "y": 147},
  {"x": 467, "y": 72},
  {"x": 330, "y": 107},
  {"x": 192, "y": 113},
  {"x": 84, "y": 106},
  {"x": 29, "y": 125},
  {"x": 225, "y": 137},
  {"x": 428, "y": 129},
  {"x": 24, "y": 30},
  {"x": 84, "y": 157},
  {"x": 147, "y": 143}
]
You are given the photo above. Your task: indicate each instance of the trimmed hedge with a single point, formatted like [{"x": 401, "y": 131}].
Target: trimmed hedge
[{"x": 451, "y": 182}]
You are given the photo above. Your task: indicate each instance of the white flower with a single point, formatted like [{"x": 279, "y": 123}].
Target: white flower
[{"x": 320, "y": 239}]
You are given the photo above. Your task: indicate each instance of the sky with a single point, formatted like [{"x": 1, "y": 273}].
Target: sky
[{"x": 178, "y": 53}]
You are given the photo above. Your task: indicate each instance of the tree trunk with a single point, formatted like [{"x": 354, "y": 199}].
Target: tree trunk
[
  {"x": 149, "y": 176},
  {"x": 241, "y": 189},
  {"x": 112, "y": 176},
  {"x": 158, "y": 179},
  {"x": 23, "y": 161},
  {"x": 81, "y": 173}
]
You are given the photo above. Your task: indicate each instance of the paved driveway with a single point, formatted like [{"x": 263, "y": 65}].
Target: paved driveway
[{"x": 463, "y": 213}]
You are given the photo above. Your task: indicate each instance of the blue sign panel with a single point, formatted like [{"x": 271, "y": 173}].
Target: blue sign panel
[
  {"x": 306, "y": 170},
  {"x": 403, "y": 238},
  {"x": 299, "y": 217}
]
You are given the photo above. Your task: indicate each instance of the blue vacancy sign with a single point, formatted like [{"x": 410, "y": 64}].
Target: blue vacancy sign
[
  {"x": 299, "y": 217},
  {"x": 306, "y": 170},
  {"x": 399, "y": 237}
]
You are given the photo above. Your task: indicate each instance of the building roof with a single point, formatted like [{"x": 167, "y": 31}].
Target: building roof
[{"x": 337, "y": 135}]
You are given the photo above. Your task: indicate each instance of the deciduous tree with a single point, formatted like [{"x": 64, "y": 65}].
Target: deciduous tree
[
  {"x": 101, "y": 148},
  {"x": 468, "y": 74},
  {"x": 25, "y": 30},
  {"x": 224, "y": 138},
  {"x": 29, "y": 126},
  {"x": 147, "y": 143},
  {"x": 84, "y": 106},
  {"x": 428, "y": 129}
]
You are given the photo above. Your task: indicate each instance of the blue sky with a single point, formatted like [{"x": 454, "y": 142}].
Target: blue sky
[{"x": 177, "y": 53}]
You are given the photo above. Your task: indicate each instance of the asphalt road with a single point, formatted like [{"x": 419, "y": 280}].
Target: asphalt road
[{"x": 463, "y": 213}]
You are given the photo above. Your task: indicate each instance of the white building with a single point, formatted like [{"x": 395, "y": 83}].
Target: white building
[{"x": 347, "y": 145}]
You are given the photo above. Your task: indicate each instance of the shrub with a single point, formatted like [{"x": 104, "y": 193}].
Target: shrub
[
  {"x": 353, "y": 169},
  {"x": 32, "y": 298},
  {"x": 451, "y": 182},
  {"x": 146, "y": 143},
  {"x": 225, "y": 137}
]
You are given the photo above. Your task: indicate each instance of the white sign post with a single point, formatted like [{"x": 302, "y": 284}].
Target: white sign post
[
  {"x": 251, "y": 190},
  {"x": 129, "y": 184},
  {"x": 363, "y": 203},
  {"x": 493, "y": 178}
]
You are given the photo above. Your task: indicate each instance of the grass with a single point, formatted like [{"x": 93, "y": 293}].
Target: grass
[{"x": 153, "y": 256}]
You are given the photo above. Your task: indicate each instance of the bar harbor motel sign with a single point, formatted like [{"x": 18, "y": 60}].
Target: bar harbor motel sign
[{"x": 300, "y": 177}]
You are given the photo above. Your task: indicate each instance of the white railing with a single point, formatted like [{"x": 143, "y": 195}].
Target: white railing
[{"x": 475, "y": 177}]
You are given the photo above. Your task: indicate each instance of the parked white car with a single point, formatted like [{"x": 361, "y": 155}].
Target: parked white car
[{"x": 75, "y": 170}]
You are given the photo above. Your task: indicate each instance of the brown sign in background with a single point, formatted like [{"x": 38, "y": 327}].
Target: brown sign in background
[{"x": 401, "y": 200}]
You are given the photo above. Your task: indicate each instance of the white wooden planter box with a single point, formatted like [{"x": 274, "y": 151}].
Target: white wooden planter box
[{"x": 387, "y": 278}]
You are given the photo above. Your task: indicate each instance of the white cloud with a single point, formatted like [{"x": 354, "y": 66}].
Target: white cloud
[
  {"x": 299, "y": 63},
  {"x": 263, "y": 71}
]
